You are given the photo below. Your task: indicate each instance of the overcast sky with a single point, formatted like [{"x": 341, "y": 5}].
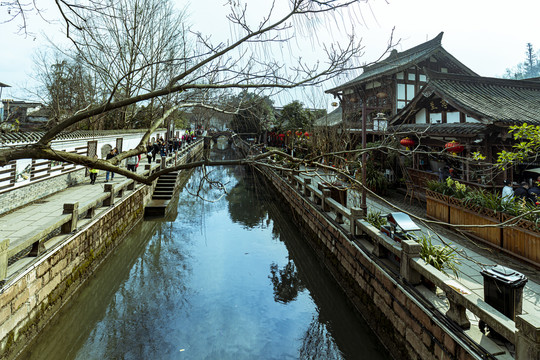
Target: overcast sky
[{"x": 486, "y": 35}]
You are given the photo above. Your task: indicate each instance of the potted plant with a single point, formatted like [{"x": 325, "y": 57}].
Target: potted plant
[{"x": 441, "y": 257}]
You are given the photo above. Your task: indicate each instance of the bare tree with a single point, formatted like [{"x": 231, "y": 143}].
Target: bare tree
[{"x": 245, "y": 62}]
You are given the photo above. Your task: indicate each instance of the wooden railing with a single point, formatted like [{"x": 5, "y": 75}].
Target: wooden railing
[
  {"x": 521, "y": 239},
  {"x": 413, "y": 269}
]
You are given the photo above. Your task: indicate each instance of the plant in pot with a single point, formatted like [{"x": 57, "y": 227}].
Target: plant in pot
[
  {"x": 376, "y": 219},
  {"x": 442, "y": 257}
]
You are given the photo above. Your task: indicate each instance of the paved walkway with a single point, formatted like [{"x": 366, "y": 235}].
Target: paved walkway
[
  {"x": 473, "y": 255},
  {"x": 41, "y": 216}
]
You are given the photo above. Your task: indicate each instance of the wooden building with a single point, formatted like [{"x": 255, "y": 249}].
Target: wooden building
[
  {"x": 475, "y": 112},
  {"x": 389, "y": 85}
]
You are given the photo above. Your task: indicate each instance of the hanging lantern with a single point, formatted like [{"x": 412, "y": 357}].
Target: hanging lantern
[
  {"x": 306, "y": 134},
  {"x": 298, "y": 133},
  {"x": 454, "y": 147},
  {"x": 407, "y": 142}
]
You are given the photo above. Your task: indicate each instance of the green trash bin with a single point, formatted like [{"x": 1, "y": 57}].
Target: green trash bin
[{"x": 503, "y": 289}]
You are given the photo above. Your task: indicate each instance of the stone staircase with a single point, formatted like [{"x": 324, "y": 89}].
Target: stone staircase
[{"x": 163, "y": 193}]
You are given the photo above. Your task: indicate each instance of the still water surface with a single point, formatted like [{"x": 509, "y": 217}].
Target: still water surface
[{"x": 228, "y": 278}]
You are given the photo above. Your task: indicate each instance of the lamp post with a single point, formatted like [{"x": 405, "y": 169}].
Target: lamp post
[{"x": 380, "y": 117}]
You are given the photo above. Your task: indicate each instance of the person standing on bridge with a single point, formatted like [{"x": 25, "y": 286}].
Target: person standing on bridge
[{"x": 110, "y": 155}]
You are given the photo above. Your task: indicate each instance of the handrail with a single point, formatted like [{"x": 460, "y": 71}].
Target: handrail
[
  {"x": 412, "y": 267},
  {"x": 68, "y": 220}
]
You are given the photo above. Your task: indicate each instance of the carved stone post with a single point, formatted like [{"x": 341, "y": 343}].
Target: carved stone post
[
  {"x": 91, "y": 212},
  {"x": 109, "y": 201},
  {"x": 356, "y": 213},
  {"x": 458, "y": 314},
  {"x": 4, "y": 247},
  {"x": 528, "y": 337},
  {"x": 307, "y": 192},
  {"x": 73, "y": 209},
  {"x": 326, "y": 195},
  {"x": 410, "y": 249}
]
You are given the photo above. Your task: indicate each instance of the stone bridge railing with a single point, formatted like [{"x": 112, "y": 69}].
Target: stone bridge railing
[
  {"x": 75, "y": 211},
  {"x": 524, "y": 333}
]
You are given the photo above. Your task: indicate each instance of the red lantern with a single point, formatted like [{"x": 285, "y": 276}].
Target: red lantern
[
  {"x": 306, "y": 134},
  {"x": 407, "y": 142},
  {"x": 454, "y": 147}
]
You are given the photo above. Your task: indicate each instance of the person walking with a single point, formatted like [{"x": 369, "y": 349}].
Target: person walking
[
  {"x": 93, "y": 173},
  {"x": 132, "y": 163},
  {"x": 155, "y": 150},
  {"x": 149, "y": 152},
  {"x": 110, "y": 155}
]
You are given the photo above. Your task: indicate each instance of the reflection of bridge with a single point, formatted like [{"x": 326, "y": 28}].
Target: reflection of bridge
[{"x": 215, "y": 135}]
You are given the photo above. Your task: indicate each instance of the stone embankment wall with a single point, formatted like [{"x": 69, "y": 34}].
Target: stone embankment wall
[
  {"x": 31, "y": 299},
  {"x": 400, "y": 321}
]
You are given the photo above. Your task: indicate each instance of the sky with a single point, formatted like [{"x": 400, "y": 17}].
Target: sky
[{"x": 488, "y": 36}]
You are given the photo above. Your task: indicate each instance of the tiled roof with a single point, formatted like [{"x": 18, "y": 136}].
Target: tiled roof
[
  {"x": 490, "y": 100},
  {"x": 453, "y": 129},
  {"x": 399, "y": 61},
  {"x": 332, "y": 119},
  {"x": 32, "y": 137}
]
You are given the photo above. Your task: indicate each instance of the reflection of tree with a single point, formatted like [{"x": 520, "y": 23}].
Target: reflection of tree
[
  {"x": 249, "y": 216},
  {"x": 286, "y": 282},
  {"x": 318, "y": 343}
]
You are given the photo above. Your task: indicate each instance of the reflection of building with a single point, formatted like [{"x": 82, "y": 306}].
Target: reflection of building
[{"x": 389, "y": 85}]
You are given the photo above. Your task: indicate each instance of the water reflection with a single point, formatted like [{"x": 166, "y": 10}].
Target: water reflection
[
  {"x": 285, "y": 282},
  {"x": 225, "y": 280}
]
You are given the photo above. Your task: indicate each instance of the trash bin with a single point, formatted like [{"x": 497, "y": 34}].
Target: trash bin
[{"x": 503, "y": 289}]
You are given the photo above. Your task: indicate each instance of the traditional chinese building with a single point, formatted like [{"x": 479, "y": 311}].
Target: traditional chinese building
[
  {"x": 389, "y": 85},
  {"x": 462, "y": 114}
]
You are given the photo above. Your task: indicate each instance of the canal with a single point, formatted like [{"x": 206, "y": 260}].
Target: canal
[{"x": 225, "y": 276}]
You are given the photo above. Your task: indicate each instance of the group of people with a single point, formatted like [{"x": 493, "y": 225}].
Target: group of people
[
  {"x": 522, "y": 193},
  {"x": 163, "y": 148},
  {"x": 158, "y": 146}
]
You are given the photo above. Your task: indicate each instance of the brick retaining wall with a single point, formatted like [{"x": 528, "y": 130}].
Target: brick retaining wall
[
  {"x": 29, "y": 301},
  {"x": 402, "y": 324}
]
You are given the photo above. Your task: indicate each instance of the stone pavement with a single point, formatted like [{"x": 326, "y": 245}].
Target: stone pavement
[
  {"x": 42, "y": 216},
  {"x": 474, "y": 255}
]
